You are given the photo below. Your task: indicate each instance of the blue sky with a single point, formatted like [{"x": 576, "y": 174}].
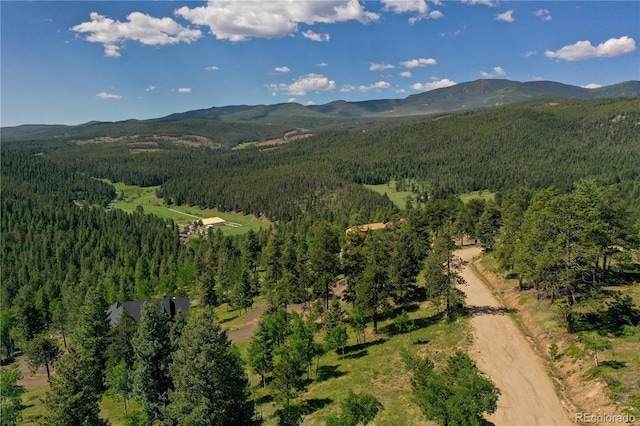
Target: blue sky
[{"x": 69, "y": 62}]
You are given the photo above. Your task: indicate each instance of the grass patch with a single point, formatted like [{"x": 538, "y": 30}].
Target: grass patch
[
  {"x": 32, "y": 401},
  {"x": 482, "y": 194},
  {"x": 375, "y": 367},
  {"x": 399, "y": 198},
  {"x": 133, "y": 196}
]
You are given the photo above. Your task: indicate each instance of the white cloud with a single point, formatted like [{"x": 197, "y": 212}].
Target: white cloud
[
  {"x": 529, "y": 53},
  {"x": 151, "y": 88},
  {"x": 323, "y": 64},
  {"x": 406, "y": 6},
  {"x": 283, "y": 69},
  {"x": 139, "y": 27},
  {"x": 105, "y": 95},
  {"x": 212, "y": 68},
  {"x": 420, "y": 7},
  {"x": 592, "y": 86},
  {"x": 405, "y": 74},
  {"x": 309, "y": 83},
  {"x": 482, "y": 2},
  {"x": 315, "y": 36},
  {"x": 415, "y": 63},
  {"x": 505, "y": 17},
  {"x": 497, "y": 72},
  {"x": 375, "y": 86},
  {"x": 438, "y": 84},
  {"x": 243, "y": 20},
  {"x": 380, "y": 67},
  {"x": 543, "y": 14},
  {"x": 184, "y": 90},
  {"x": 348, "y": 88},
  {"x": 585, "y": 50},
  {"x": 292, "y": 100}
]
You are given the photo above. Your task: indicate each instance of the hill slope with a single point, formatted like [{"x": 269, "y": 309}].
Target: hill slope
[{"x": 461, "y": 97}]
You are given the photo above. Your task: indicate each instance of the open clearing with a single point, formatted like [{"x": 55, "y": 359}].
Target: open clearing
[
  {"x": 399, "y": 198},
  {"x": 133, "y": 196}
]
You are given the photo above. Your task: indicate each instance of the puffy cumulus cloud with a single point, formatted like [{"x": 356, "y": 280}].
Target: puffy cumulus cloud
[
  {"x": 406, "y": 6},
  {"x": 505, "y": 17},
  {"x": 380, "y": 67},
  {"x": 308, "y": 83},
  {"x": 212, "y": 68},
  {"x": 138, "y": 27},
  {"x": 419, "y": 7},
  {"x": 405, "y": 74},
  {"x": 315, "y": 36},
  {"x": 543, "y": 14},
  {"x": 436, "y": 84},
  {"x": 283, "y": 69},
  {"x": 585, "y": 50},
  {"x": 592, "y": 86},
  {"x": 375, "y": 86},
  {"x": 489, "y": 3},
  {"x": 415, "y": 63},
  {"x": 105, "y": 95},
  {"x": 243, "y": 20},
  {"x": 497, "y": 72},
  {"x": 184, "y": 90},
  {"x": 151, "y": 88}
]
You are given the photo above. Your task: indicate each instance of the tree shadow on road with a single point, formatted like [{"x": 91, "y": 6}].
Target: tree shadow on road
[{"x": 474, "y": 310}]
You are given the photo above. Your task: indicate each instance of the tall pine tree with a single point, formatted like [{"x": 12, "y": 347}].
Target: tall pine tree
[{"x": 211, "y": 386}]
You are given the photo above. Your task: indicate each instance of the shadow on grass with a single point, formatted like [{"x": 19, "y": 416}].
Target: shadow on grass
[
  {"x": 361, "y": 346},
  {"x": 230, "y": 318},
  {"x": 326, "y": 372},
  {"x": 356, "y": 355},
  {"x": 614, "y": 365},
  {"x": 264, "y": 399},
  {"x": 418, "y": 323},
  {"x": 312, "y": 405}
]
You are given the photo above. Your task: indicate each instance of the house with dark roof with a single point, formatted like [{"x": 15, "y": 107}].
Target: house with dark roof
[{"x": 169, "y": 306}]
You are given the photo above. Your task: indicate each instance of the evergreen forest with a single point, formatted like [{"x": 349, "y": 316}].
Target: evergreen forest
[{"x": 564, "y": 228}]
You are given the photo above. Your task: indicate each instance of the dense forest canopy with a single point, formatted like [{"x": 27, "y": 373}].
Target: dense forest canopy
[
  {"x": 537, "y": 143},
  {"x": 565, "y": 222}
]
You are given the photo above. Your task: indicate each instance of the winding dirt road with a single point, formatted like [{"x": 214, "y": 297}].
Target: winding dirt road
[{"x": 501, "y": 351}]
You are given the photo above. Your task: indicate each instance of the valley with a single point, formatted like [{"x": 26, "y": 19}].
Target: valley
[{"x": 306, "y": 306}]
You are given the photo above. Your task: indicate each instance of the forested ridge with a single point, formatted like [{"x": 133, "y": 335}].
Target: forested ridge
[
  {"x": 534, "y": 144},
  {"x": 565, "y": 224}
]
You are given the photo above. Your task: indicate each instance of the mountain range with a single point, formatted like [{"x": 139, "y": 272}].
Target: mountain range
[{"x": 476, "y": 94}]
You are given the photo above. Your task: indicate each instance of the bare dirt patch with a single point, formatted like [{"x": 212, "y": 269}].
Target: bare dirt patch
[{"x": 288, "y": 137}]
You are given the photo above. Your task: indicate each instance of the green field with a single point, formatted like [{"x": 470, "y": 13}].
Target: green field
[
  {"x": 485, "y": 195},
  {"x": 399, "y": 198},
  {"x": 130, "y": 197}
]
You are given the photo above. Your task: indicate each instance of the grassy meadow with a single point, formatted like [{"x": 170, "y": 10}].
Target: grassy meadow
[
  {"x": 399, "y": 198},
  {"x": 130, "y": 197}
]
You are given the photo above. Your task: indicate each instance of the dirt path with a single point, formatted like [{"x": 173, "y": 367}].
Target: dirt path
[
  {"x": 504, "y": 354},
  {"x": 245, "y": 331}
]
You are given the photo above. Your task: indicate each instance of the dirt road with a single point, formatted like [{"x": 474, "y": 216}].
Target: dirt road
[{"x": 504, "y": 354}]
